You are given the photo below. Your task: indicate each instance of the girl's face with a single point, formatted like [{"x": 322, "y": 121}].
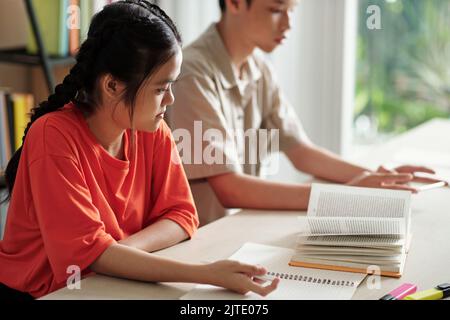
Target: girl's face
[{"x": 152, "y": 99}]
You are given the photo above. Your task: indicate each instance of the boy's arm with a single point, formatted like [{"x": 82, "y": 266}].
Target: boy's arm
[
  {"x": 326, "y": 165},
  {"x": 322, "y": 163},
  {"x": 236, "y": 190}
]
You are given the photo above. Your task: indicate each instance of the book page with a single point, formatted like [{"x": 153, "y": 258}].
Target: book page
[
  {"x": 355, "y": 240},
  {"x": 325, "y": 226},
  {"x": 336, "y": 209},
  {"x": 345, "y": 251},
  {"x": 344, "y": 201},
  {"x": 296, "y": 283},
  {"x": 359, "y": 259}
]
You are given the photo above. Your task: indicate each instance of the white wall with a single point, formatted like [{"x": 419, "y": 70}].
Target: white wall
[
  {"x": 316, "y": 68},
  {"x": 192, "y": 17}
]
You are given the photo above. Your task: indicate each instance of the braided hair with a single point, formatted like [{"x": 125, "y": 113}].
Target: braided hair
[{"x": 128, "y": 39}]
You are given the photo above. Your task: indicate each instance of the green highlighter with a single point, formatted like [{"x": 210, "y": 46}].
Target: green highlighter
[{"x": 439, "y": 292}]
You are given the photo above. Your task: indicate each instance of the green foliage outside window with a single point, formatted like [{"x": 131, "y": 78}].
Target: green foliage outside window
[{"x": 403, "y": 69}]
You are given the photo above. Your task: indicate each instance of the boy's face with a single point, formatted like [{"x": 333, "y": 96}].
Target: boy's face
[{"x": 268, "y": 21}]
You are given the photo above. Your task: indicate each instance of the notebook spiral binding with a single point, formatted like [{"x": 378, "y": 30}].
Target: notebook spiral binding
[{"x": 306, "y": 279}]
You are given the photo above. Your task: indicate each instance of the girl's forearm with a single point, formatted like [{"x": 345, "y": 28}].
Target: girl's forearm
[
  {"x": 130, "y": 263},
  {"x": 159, "y": 235}
]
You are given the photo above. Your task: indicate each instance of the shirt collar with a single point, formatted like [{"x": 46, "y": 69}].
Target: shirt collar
[{"x": 228, "y": 76}]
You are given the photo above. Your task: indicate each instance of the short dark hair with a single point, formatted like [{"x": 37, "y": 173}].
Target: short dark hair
[{"x": 223, "y": 6}]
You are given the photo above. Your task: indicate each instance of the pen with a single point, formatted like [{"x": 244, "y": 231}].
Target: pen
[{"x": 439, "y": 292}]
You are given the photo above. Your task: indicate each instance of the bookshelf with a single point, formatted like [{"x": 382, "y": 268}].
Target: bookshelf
[
  {"x": 20, "y": 55},
  {"x": 41, "y": 58}
]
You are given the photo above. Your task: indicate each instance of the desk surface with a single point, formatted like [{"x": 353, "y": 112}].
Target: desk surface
[{"x": 428, "y": 262}]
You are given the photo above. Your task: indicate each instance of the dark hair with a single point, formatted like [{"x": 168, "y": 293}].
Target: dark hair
[
  {"x": 223, "y": 6},
  {"x": 129, "y": 40}
]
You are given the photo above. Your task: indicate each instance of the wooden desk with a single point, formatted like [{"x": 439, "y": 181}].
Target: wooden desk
[{"x": 428, "y": 262}]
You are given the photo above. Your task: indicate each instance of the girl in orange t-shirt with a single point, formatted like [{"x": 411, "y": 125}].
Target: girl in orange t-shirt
[{"x": 98, "y": 184}]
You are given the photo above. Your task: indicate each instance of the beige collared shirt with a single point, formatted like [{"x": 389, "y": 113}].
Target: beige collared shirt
[{"x": 225, "y": 124}]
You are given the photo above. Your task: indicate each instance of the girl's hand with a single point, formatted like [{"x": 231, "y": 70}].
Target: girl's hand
[
  {"x": 238, "y": 277},
  {"x": 397, "y": 181}
]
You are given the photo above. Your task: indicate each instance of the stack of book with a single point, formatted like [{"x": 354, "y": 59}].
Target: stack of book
[
  {"x": 64, "y": 24},
  {"x": 353, "y": 229},
  {"x": 14, "y": 117}
]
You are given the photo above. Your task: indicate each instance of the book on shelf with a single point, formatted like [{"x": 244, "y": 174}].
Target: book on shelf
[
  {"x": 75, "y": 25},
  {"x": 3, "y": 211},
  {"x": 22, "y": 107},
  {"x": 51, "y": 18},
  {"x": 62, "y": 32},
  {"x": 14, "y": 117},
  {"x": 5, "y": 140},
  {"x": 64, "y": 24},
  {"x": 362, "y": 230},
  {"x": 86, "y": 11}
]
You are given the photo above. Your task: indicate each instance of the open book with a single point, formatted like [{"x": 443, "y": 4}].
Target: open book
[
  {"x": 352, "y": 229},
  {"x": 295, "y": 284}
]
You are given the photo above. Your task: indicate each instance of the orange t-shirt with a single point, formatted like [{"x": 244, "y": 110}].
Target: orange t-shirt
[{"x": 72, "y": 199}]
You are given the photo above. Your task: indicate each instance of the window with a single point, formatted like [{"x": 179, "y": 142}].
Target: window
[{"x": 403, "y": 69}]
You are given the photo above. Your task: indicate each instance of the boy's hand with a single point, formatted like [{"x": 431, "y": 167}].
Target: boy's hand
[
  {"x": 420, "y": 174},
  {"x": 396, "y": 181}
]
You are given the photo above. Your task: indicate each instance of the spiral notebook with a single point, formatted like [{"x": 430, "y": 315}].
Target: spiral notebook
[{"x": 296, "y": 283}]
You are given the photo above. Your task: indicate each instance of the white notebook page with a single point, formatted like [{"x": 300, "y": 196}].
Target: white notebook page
[{"x": 296, "y": 283}]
